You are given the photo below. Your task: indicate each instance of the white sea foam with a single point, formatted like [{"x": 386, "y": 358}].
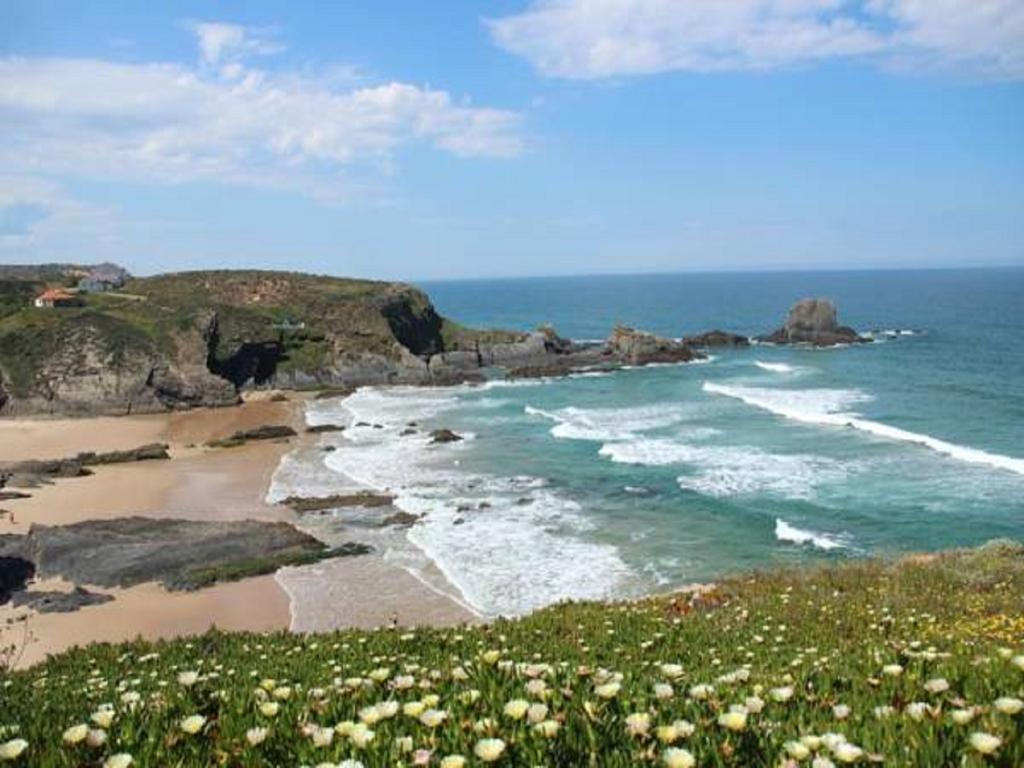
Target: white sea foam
[
  {"x": 509, "y": 544},
  {"x": 723, "y": 471},
  {"x": 603, "y": 424},
  {"x": 828, "y": 407},
  {"x": 800, "y": 536},
  {"x": 775, "y": 367}
]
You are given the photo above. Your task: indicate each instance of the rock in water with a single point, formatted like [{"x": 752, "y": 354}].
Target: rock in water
[
  {"x": 814, "y": 321},
  {"x": 642, "y": 348},
  {"x": 444, "y": 436},
  {"x": 717, "y": 338}
]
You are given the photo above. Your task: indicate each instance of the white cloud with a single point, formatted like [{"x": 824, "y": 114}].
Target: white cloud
[
  {"x": 603, "y": 38},
  {"x": 218, "y": 41},
  {"x": 226, "y": 121}
]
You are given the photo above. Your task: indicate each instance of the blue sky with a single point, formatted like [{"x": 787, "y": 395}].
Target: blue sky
[{"x": 433, "y": 140}]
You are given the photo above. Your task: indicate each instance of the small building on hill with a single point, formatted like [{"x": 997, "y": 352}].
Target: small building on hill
[{"x": 56, "y": 297}]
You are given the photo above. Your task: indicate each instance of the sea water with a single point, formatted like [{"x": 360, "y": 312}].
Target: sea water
[{"x": 603, "y": 485}]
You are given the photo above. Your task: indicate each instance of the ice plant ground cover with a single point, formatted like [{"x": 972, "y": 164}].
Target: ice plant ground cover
[{"x": 916, "y": 662}]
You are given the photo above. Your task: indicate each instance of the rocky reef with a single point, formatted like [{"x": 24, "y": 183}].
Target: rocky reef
[
  {"x": 716, "y": 338},
  {"x": 814, "y": 322}
]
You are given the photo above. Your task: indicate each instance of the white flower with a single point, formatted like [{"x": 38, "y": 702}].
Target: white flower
[
  {"x": 784, "y": 693},
  {"x": 985, "y": 743},
  {"x": 753, "y": 704},
  {"x": 76, "y": 734},
  {"x": 638, "y": 723},
  {"x": 537, "y": 713},
  {"x": 351, "y": 764},
  {"x": 269, "y": 708},
  {"x": 453, "y": 761},
  {"x": 937, "y": 685},
  {"x": 892, "y": 670},
  {"x": 663, "y": 691},
  {"x": 1009, "y": 705},
  {"x": 847, "y": 753},
  {"x": 97, "y": 738},
  {"x": 120, "y": 760},
  {"x": 256, "y": 736},
  {"x": 797, "y": 750},
  {"x": 322, "y": 737},
  {"x": 672, "y": 671},
  {"x": 413, "y": 708},
  {"x": 963, "y": 716},
  {"x": 193, "y": 724},
  {"x": 489, "y": 750},
  {"x": 701, "y": 691},
  {"x": 684, "y": 728},
  {"x": 188, "y": 679},
  {"x": 1018, "y": 662},
  {"x": 11, "y": 750},
  {"x": 916, "y": 710},
  {"x": 841, "y": 711},
  {"x": 822, "y": 762},
  {"x": 361, "y": 736},
  {"x": 884, "y": 711},
  {"x": 432, "y": 718},
  {"x": 674, "y": 757},
  {"x": 608, "y": 690}
]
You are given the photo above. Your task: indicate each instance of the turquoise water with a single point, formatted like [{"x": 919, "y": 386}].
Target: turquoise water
[{"x": 646, "y": 478}]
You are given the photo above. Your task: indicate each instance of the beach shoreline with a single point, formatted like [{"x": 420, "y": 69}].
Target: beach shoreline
[{"x": 196, "y": 483}]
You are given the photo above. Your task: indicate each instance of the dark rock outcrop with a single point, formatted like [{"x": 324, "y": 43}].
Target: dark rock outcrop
[
  {"x": 716, "y": 338},
  {"x": 635, "y": 347},
  {"x": 15, "y": 572},
  {"x": 180, "y": 554},
  {"x": 58, "y": 602},
  {"x": 444, "y": 436},
  {"x": 322, "y": 503},
  {"x": 814, "y": 322},
  {"x": 266, "y": 432},
  {"x": 35, "y": 471},
  {"x": 320, "y": 429}
]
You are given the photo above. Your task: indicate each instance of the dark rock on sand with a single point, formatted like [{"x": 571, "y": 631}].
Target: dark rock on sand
[
  {"x": 59, "y": 602},
  {"x": 322, "y": 503},
  {"x": 444, "y": 436},
  {"x": 320, "y": 429},
  {"x": 266, "y": 432},
  {"x": 181, "y": 554},
  {"x": 407, "y": 431},
  {"x": 13, "y": 495},
  {"x": 32, "y": 472},
  {"x": 717, "y": 338},
  {"x": 815, "y": 322}
]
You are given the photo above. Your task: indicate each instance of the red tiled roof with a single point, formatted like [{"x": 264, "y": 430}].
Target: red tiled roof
[{"x": 54, "y": 294}]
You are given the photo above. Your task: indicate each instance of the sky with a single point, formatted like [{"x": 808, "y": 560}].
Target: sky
[{"x": 398, "y": 139}]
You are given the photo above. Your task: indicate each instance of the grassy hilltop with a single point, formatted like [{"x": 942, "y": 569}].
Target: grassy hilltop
[
  {"x": 239, "y": 327},
  {"x": 915, "y": 663}
]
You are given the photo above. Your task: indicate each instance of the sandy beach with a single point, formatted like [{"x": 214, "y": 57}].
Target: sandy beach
[{"x": 197, "y": 483}]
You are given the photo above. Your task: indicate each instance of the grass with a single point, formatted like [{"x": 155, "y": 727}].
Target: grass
[{"x": 872, "y": 662}]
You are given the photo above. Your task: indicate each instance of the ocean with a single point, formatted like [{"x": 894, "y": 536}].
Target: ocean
[{"x": 613, "y": 485}]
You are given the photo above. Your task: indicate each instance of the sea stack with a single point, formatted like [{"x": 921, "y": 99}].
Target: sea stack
[{"x": 815, "y": 322}]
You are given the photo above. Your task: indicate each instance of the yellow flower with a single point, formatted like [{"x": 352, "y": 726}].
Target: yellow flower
[
  {"x": 1009, "y": 705},
  {"x": 516, "y": 709},
  {"x": 491, "y": 657},
  {"x": 11, "y": 750},
  {"x": 120, "y": 760},
  {"x": 736, "y": 720},
  {"x": 453, "y": 761},
  {"x": 547, "y": 728},
  {"x": 985, "y": 743},
  {"x": 667, "y": 734},
  {"x": 361, "y": 735},
  {"x": 103, "y": 717},
  {"x": 76, "y": 734},
  {"x": 256, "y": 736},
  {"x": 344, "y": 728},
  {"x": 673, "y": 757},
  {"x": 369, "y": 715},
  {"x": 193, "y": 724},
  {"x": 489, "y": 750},
  {"x": 269, "y": 708},
  {"x": 432, "y": 718},
  {"x": 282, "y": 693},
  {"x": 413, "y": 708}
]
